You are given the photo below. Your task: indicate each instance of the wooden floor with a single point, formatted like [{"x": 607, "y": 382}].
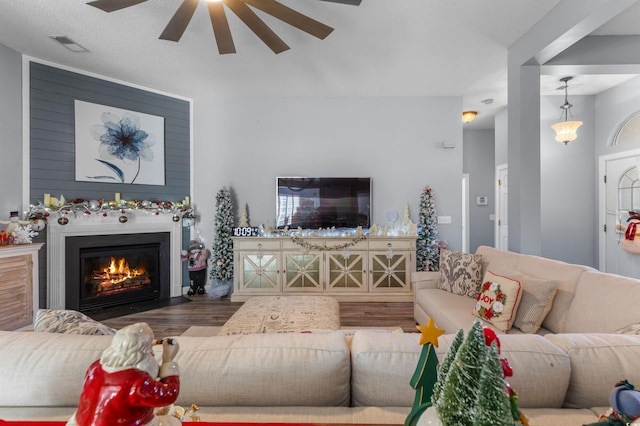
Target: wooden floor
[{"x": 174, "y": 320}]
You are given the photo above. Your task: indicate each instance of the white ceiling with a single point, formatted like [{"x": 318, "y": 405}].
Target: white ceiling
[{"x": 380, "y": 48}]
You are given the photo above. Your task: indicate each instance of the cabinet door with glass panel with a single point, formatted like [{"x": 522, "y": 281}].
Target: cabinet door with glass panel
[
  {"x": 260, "y": 271},
  {"x": 389, "y": 270},
  {"x": 346, "y": 271},
  {"x": 302, "y": 271}
]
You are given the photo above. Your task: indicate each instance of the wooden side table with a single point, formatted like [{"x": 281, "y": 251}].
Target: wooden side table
[{"x": 19, "y": 290}]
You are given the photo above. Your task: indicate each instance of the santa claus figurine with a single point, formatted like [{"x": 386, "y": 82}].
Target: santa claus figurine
[
  {"x": 196, "y": 259},
  {"x": 126, "y": 384}
]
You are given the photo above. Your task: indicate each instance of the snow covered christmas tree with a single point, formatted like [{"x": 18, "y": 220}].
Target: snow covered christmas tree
[
  {"x": 427, "y": 244},
  {"x": 222, "y": 253},
  {"x": 443, "y": 368},
  {"x": 456, "y": 405},
  {"x": 493, "y": 407}
]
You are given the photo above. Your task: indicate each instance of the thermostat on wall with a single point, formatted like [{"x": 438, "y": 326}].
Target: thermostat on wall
[{"x": 482, "y": 200}]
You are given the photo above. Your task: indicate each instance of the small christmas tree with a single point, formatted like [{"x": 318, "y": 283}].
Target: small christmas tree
[
  {"x": 425, "y": 375},
  {"x": 222, "y": 254},
  {"x": 443, "y": 369},
  {"x": 493, "y": 407},
  {"x": 459, "y": 394},
  {"x": 427, "y": 244}
]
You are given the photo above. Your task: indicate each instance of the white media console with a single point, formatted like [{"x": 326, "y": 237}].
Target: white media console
[{"x": 374, "y": 269}]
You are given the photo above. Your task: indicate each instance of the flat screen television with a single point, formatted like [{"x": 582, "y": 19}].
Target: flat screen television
[{"x": 317, "y": 202}]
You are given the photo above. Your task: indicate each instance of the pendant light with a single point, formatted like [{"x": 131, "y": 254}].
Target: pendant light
[{"x": 566, "y": 130}]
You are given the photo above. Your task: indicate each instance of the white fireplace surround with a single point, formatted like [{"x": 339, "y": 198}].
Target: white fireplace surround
[{"x": 97, "y": 224}]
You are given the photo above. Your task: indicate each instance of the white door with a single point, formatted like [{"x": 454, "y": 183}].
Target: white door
[
  {"x": 620, "y": 178},
  {"x": 502, "y": 208}
]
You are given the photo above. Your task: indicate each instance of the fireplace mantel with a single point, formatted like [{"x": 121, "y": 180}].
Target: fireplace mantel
[{"x": 97, "y": 224}]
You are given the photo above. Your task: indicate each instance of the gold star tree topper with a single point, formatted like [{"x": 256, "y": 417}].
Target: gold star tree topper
[{"x": 430, "y": 333}]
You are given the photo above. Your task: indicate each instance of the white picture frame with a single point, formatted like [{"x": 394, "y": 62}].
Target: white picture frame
[{"x": 115, "y": 145}]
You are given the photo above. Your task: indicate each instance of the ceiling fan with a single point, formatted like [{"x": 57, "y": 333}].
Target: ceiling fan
[{"x": 178, "y": 23}]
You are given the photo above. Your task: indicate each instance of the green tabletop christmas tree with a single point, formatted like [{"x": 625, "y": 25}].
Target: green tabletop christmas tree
[
  {"x": 456, "y": 405},
  {"x": 493, "y": 407}
]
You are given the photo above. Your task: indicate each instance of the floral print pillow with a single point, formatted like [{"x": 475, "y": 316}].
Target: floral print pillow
[
  {"x": 460, "y": 273},
  {"x": 498, "y": 301},
  {"x": 68, "y": 322}
]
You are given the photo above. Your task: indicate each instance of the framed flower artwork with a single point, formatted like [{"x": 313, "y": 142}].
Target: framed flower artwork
[{"x": 118, "y": 146}]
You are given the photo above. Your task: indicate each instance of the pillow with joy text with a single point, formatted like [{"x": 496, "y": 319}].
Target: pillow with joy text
[
  {"x": 460, "y": 273},
  {"x": 498, "y": 301}
]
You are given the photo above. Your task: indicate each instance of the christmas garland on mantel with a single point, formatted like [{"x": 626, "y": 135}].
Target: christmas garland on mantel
[{"x": 299, "y": 241}]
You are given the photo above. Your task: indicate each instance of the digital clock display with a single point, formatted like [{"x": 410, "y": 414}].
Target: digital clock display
[{"x": 245, "y": 231}]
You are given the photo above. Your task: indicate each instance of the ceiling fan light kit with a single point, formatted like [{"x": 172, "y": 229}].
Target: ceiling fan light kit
[
  {"x": 566, "y": 131},
  {"x": 243, "y": 10}
]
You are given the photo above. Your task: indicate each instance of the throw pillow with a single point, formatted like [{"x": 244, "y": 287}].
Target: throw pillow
[
  {"x": 536, "y": 302},
  {"x": 633, "y": 329},
  {"x": 68, "y": 322},
  {"x": 460, "y": 273},
  {"x": 498, "y": 301}
]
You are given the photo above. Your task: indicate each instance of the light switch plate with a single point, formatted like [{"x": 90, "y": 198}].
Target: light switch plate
[{"x": 444, "y": 219}]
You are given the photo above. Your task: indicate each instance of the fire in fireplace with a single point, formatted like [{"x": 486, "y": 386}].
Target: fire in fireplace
[{"x": 111, "y": 270}]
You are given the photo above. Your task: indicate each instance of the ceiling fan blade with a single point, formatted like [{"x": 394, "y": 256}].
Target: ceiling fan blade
[
  {"x": 351, "y": 2},
  {"x": 176, "y": 26},
  {"x": 292, "y": 17},
  {"x": 221, "y": 28},
  {"x": 256, "y": 25},
  {"x": 113, "y": 5}
]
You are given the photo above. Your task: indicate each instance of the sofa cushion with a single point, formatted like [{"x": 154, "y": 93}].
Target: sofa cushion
[
  {"x": 536, "y": 302},
  {"x": 449, "y": 311},
  {"x": 498, "y": 301},
  {"x": 68, "y": 322},
  {"x": 460, "y": 273},
  {"x": 598, "y": 361},
  {"x": 614, "y": 297},
  {"x": 46, "y": 369},
  {"x": 310, "y": 369},
  {"x": 381, "y": 368}
]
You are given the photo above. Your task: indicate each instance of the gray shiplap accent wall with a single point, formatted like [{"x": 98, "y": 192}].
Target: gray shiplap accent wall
[{"x": 52, "y": 92}]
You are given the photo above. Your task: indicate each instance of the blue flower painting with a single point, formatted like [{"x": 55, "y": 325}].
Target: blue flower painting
[{"x": 119, "y": 146}]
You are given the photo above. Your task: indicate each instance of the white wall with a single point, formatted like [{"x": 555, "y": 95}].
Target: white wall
[
  {"x": 10, "y": 132},
  {"x": 479, "y": 164},
  {"x": 245, "y": 143},
  {"x": 567, "y": 184},
  {"x": 502, "y": 139}
]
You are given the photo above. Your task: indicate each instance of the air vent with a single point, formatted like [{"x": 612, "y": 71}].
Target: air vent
[{"x": 69, "y": 44}]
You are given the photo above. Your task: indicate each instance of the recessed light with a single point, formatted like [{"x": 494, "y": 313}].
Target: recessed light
[
  {"x": 487, "y": 101},
  {"x": 69, "y": 44}
]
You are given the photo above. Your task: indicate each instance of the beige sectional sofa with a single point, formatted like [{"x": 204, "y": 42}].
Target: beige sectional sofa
[
  {"x": 323, "y": 377},
  {"x": 587, "y": 301}
]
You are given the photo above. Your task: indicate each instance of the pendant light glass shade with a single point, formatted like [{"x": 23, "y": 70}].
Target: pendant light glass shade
[{"x": 566, "y": 131}]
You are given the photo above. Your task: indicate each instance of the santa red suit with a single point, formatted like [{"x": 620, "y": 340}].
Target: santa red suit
[{"x": 126, "y": 397}]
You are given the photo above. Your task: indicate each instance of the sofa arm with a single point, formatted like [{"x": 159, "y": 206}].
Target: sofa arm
[{"x": 425, "y": 279}]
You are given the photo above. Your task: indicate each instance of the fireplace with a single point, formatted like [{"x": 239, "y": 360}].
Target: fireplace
[
  {"x": 78, "y": 250},
  {"x": 111, "y": 270}
]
